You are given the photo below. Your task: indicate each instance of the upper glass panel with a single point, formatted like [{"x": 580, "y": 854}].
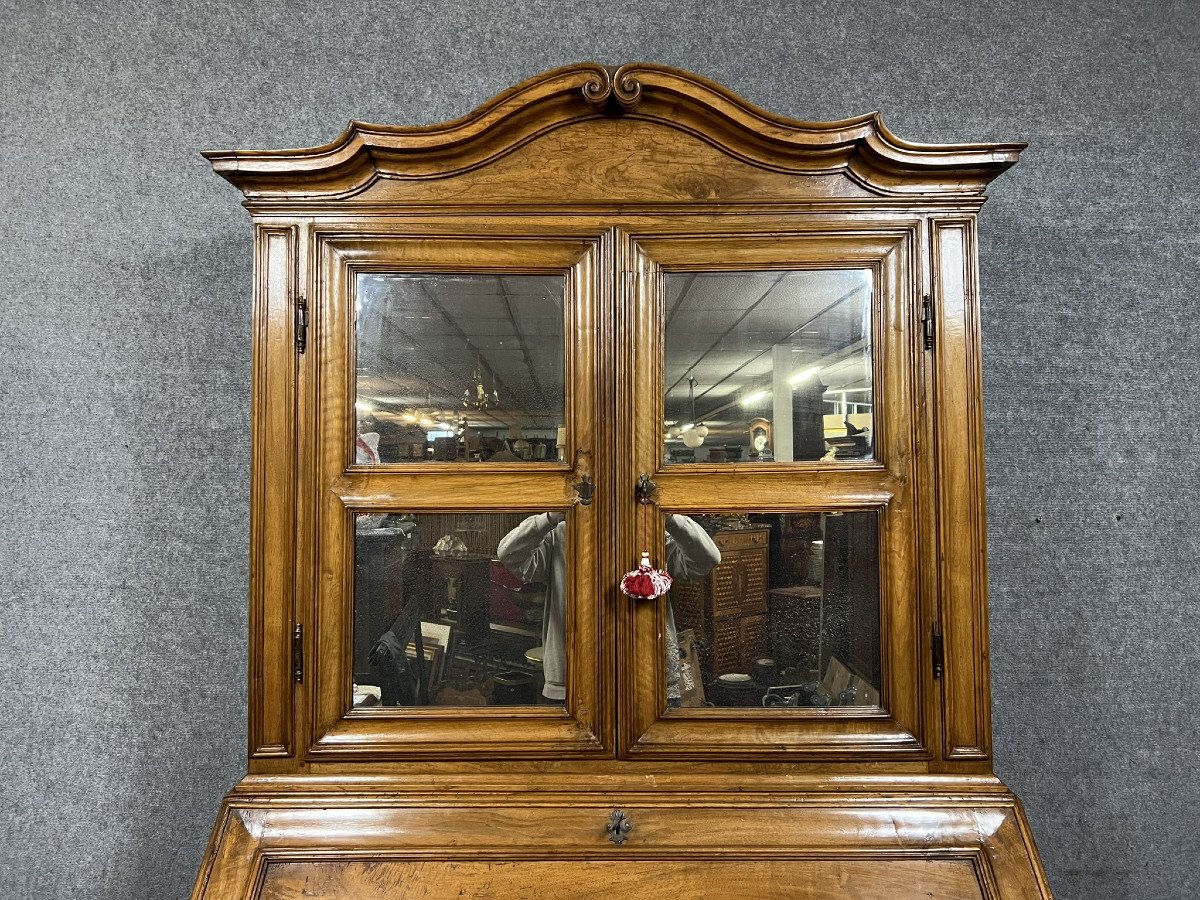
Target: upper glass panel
[
  {"x": 770, "y": 366},
  {"x": 459, "y": 368}
]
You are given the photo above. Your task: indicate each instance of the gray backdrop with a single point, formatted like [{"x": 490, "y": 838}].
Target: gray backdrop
[{"x": 125, "y": 274}]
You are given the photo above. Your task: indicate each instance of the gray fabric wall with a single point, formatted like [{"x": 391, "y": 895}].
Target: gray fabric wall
[{"x": 124, "y": 371}]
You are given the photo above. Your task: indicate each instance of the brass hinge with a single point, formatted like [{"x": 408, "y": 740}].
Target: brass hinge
[
  {"x": 927, "y": 321},
  {"x": 301, "y": 324},
  {"x": 298, "y": 653},
  {"x": 937, "y": 651}
]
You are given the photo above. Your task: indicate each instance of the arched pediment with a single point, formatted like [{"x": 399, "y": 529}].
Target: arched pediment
[{"x": 678, "y": 125}]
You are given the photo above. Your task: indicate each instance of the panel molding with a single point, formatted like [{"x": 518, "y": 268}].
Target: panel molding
[
  {"x": 958, "y": 411},
  {"x": 335, "y": 831},
  {"x": 272, "y": 493},
  {"x": 337, "y": 732},
  {"x": 862, "y": 150}
]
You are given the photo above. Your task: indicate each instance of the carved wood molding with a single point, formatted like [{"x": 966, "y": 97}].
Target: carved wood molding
[
  {"x": 617, "y": 91},
  {"x": 861, "y": 148}
]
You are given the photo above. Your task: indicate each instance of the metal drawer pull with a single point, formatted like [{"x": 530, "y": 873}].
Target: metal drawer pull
[{"x": 618, "y": 827}]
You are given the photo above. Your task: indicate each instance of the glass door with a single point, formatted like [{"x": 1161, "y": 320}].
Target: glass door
[
  {"x": 457, "y": 610},
  {"x": 772, "y": 470}
]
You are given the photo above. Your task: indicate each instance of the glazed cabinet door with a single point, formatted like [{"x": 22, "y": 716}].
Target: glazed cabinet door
[
  {"x": 455, "y": 613},
  {"x": 772, "y": 412}
]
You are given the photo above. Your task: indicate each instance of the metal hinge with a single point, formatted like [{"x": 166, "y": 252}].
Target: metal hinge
[
  {"x": 937, "y": 651},
  {"x": 298, "y": 653},
  {"x": 301, "y": 324},
  {"x": 927, "y": 321}
]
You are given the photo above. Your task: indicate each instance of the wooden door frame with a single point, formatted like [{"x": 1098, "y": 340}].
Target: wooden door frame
[
  {"x": 344, "y": 488},
  {"x": 886, "y": 484}
]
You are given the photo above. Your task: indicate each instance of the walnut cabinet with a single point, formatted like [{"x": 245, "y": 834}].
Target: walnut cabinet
[{"x": 497, "y": 358}]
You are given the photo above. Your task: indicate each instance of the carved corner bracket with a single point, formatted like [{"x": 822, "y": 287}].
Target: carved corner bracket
[{"x": 612, "y": 91}]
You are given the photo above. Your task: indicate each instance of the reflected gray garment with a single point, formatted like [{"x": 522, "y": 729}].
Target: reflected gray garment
[{"x": 536, "y": 550}]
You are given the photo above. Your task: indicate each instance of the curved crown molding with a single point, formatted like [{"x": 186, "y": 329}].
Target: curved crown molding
[{"x": 862, "y": 148}]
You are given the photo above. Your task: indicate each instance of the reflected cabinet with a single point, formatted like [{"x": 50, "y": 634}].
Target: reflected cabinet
[{"x": 617, "y": 508}]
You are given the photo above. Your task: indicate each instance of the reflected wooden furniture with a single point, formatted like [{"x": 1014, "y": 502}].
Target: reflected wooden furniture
[
  {"x": 613, "y": 178},
  {"x": 794, "y": 623},
  {"x": 728, "y": 608},
  {"x": 470, "y": 576},
  {"x": 853, "y": 587}
]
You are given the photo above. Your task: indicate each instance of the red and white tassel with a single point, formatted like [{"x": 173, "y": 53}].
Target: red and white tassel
[{"x": 645, "y": 582}]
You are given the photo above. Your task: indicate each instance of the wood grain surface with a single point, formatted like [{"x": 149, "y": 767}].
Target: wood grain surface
[{"x": 613, "y": 178}]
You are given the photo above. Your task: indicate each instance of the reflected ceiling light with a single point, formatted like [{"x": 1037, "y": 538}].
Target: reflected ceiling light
[
  {"x": 803, "y": 374},
  {"x": 417, "y": 414},
  {"x": 477, "y": 396},
  {"x": 754, "y": 398},
  {"x": 364, "y": 406}
]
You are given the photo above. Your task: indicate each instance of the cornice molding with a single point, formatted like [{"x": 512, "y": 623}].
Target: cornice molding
[{"x": 862, "y": 148}]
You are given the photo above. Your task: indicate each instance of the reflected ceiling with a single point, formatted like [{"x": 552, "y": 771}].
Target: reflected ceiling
[
  {"x": 723, "y": 330},
  {"x": 422, "y": 337}
]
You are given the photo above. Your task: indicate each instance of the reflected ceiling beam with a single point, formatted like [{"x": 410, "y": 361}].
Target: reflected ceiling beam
[
  {"x": 691, "y": 279},
  {"x": 497, "y": 381},
  {"x": 829, "y": 359},
  {"x": 512, "y": 318},
  {"x": 385, "y": 350},
  {"x": 717, "y": 342},
  {"x": 787, "y": 337}
]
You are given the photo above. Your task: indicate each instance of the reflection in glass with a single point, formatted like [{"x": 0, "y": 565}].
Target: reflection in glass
[
  {"x": 461, "y": 368},
  {"x": 459, "y": 609},
  {"x": 789, "y": 618},
  {"x": 768, "y": 366}
]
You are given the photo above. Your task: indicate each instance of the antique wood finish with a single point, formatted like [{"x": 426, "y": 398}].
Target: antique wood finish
[
  {"x": 966, "y": 690},
  {"x": 273, "y": 489},
  {"x": 613, "y": 178},
  {"x": 348, "y": 488},
  {"x": 731, "y": 600},
  {"x": 889, "y": 483}
]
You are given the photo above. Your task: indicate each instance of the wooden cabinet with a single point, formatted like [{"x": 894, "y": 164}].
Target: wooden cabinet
[
  {"x": 604, "y": 308},
  {"x": 727, "y": 609}
]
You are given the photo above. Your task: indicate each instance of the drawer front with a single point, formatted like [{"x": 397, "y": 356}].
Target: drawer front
[
  {"x": 737, "y": 643},
  {"x": 646, "y": 879},
  {"x": 740, "y": 583},
  {"x": 687, "y": 842},
  {"x": 741, "y": 540}
]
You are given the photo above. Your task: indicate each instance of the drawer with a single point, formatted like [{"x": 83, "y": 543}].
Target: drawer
[
  {"x": 739, "y": 584},
  {"x": 741, "y": 540},
  {"x": 684, "y": 843},
  {"x": 737, "y": 643},
  {"x": 646, "y": 879}
]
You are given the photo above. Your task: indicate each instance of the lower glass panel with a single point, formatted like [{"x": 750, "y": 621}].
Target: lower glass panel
[
  {"x": 460, "y": 609},
  {"x": 788, "y": 618}
]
